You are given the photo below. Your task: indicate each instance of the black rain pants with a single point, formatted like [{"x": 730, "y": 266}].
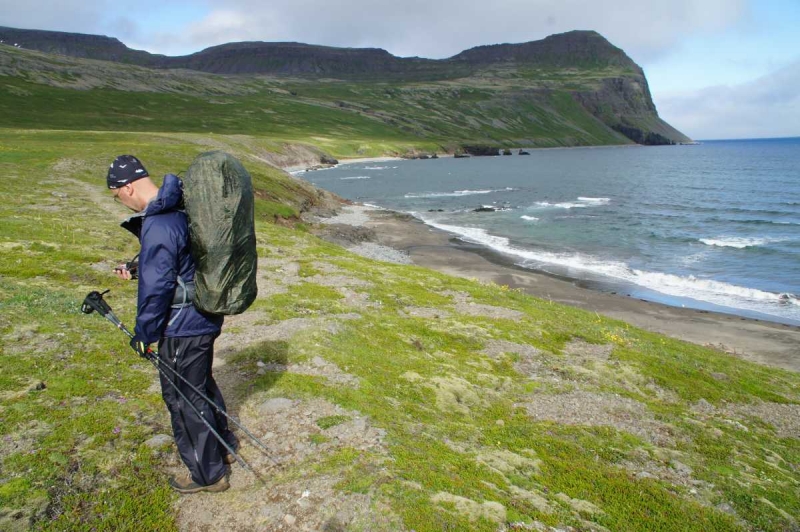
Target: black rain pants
[{"x": 192, "y": 357}]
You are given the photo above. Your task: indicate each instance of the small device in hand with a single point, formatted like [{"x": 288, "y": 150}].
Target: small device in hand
[{"x": 132, "y": 266}]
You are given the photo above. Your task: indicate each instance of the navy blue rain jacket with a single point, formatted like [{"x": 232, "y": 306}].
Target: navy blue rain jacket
[{"x": 163, "y": 232}]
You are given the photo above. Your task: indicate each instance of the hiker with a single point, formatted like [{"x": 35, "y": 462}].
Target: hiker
[{"x": 165, "y": 314}]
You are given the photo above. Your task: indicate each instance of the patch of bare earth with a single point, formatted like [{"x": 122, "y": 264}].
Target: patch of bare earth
[
  {"x": 464, "y": 305},
  {"x": 667, "y": 465},
  {"x": 784, "y": 418},
  {"x": 584, "y": 351},
  {"x": 295, "y": 494},
  {"x": 357, "y": 300},
  {"x": 338, "y": 280},
  {"x": 425, "y": 312},
  {"x": 599, "y": 409},
  {"x": 275, "y": 276},
  {"x": 23, "y": 439},
  {"x": 529, "y": 360},
  {"x": 31, "y": 340},
  {"x": 316, "y": 367}
]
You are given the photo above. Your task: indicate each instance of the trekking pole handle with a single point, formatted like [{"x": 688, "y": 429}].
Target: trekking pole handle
[{"x": 158, "y": 363}]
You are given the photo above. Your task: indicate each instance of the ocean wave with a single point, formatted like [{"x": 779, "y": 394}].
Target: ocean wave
[
  {"x": 378, "y": 167},
  {"x": 723, "y": 207},
  {"x": 529, "y": 218},
  {"x": 739, "y": 242},
  {"x": 355, "y": 177},
  {"x": 601, "y": 201},
  {"x": 581, "y": 203},
  {"x": 455, "y": 193},
  {"x": 755, "y": 221},
  {"x": 708, "y": 290}
]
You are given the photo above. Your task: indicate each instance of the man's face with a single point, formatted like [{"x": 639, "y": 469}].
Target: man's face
[{"x": 124, "y": 196}]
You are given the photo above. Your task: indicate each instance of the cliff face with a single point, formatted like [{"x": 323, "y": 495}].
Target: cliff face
[
  {"x": 625, "y": 104},
  {"x": 597, "y": 75}
]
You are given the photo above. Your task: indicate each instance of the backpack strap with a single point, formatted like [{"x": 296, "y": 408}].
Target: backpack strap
[{"x": 183, "y": 298}]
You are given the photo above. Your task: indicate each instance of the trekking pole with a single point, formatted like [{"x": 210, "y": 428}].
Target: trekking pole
[
  {"x": 199, "y": 414},
  {"x": 94, "y": 301}
]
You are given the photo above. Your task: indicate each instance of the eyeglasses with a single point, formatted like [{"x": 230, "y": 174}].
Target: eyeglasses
[{"x": 116, "y": 194}]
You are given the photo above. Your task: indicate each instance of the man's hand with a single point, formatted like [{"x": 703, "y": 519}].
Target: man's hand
[
  {"x": 123, "y": 272},
  {"x": 141, "y": 348}
]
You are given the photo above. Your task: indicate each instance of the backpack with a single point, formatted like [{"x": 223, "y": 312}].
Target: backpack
[{"x": 220, "y": 207}]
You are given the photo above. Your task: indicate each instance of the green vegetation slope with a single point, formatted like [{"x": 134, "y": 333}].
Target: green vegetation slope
[
  {"x": 566, "y": 90},
  {"x": 394, "y": 397}
]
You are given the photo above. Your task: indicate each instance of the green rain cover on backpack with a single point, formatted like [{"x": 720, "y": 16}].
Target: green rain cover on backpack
[{"x": 219, "y": 203}]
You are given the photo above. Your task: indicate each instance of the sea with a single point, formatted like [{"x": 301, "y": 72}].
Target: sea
[{"x": 713, "y": 226}]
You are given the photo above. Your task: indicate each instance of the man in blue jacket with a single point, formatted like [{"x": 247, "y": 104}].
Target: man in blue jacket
[{"x": 166, "y": 315}]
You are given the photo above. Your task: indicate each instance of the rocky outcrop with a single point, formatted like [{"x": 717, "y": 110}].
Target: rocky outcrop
[{"x": 481, "y": 151}]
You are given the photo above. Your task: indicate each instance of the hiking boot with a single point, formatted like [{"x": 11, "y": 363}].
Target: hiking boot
[
  {"x": 187, "y": 485},
  {"x": 228, "y": 458}
]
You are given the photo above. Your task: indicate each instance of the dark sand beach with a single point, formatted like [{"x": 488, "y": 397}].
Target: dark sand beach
[{"x": 758, "y": 341}]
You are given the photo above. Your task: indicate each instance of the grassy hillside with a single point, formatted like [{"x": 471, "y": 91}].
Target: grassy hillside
[
  {"x": 393, "y": 397},
  {"x": 498, "y": 105}
]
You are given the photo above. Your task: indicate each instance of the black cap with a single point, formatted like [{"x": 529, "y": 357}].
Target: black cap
[{"x": 125, "y": 169}]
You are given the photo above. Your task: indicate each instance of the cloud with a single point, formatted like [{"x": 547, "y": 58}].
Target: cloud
[
  {"x": 644, "y": 29},
  {"x": 766, "y": 107},
  {"x": 52, "y": 14},
  {"x": 127, "y": 20}
]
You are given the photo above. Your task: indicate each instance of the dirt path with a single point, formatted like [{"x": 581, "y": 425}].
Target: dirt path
[{"x": 293, "y": 490}]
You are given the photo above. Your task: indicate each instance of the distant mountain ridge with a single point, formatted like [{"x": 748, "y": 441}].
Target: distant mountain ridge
[
  {"x": 599, "y": 76},
  {"x": 571, "y": 49}
]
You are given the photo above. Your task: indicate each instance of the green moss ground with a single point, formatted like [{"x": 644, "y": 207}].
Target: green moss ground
[{"x": 455, "y": 418}]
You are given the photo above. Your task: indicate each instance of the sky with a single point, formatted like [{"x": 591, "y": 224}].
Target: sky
[{"x": 716, "y": 68}]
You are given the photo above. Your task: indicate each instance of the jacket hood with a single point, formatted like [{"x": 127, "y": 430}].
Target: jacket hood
[{"x": 169, "y": 198}]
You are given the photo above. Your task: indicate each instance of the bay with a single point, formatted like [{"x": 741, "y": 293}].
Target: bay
[{"x": 714, "y": 226}]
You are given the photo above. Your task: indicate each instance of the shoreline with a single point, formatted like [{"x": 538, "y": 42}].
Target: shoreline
[
  {"x": 384, "y": 159},
  {"x": 303, "y": 168},
  {"x": 764, "y": 342}
]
